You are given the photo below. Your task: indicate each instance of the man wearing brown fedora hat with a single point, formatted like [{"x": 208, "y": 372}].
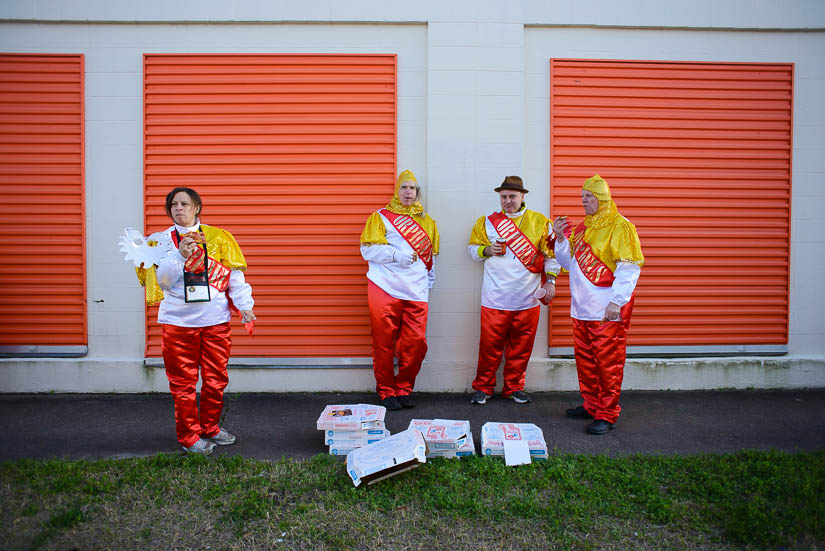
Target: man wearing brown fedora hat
[{"x": 519, "y": 271}]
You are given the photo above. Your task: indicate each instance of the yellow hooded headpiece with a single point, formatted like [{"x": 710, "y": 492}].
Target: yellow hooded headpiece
[
  {"x": 395, "y": 204},
  {"x": 607, "y": 208},
  {"x": 598, "y": 187}
]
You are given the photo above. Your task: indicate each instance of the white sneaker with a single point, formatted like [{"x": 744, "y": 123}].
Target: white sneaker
[
  {"x": 223, "y": 438},
  {"x": 201, "y": 447}
]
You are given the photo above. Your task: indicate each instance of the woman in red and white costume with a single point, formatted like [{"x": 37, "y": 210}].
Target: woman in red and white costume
[
  {"x": 513, "y": 271},
  {"x": 399, "y": 242},
  {"x": 604, "y": 257},
  {"x": 195, "y": 319}
]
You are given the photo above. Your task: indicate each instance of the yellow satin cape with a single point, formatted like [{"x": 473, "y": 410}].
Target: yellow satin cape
[
  {"x": 375, "y": 233},
  {"x": 531, "y": 223},
  {"x": 220, "y": 245},
  {"x": 615, "y": 242},
  {"x": 611, "y": 236}
]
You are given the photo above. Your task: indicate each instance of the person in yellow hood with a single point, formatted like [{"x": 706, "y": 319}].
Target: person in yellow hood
[
  {"x": 604, "y": 257},
  {"x": 399, "y": 243}
]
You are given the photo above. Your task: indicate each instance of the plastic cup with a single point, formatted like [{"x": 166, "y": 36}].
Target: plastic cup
[
  {"x": 502, "y": 243},
  {"x": 540, "y": 293}
]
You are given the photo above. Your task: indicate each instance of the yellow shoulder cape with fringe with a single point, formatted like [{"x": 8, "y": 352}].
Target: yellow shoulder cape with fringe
[{"x": 220, "y": 246}]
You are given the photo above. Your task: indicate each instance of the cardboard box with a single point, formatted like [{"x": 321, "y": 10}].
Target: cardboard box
[
  {"x": 494, "y": 435},
  {"x": 367, "y": 433},
  {"x": 351, "y": 444},
  {"x": 393, "y": 455},
  {"x": 355, "y": 439},
  {"x": 351, "y": 417},
  {"x": 343, "y": 450},
  {"x": 443, "y": 434},
  {"x": 469, "y": 448}
]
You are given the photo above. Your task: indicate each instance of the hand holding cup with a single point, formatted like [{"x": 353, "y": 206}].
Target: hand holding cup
[{"x": 561, "y": 227}]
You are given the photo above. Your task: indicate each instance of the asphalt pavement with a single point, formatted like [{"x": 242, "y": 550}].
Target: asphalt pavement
[{"x": 273, "y": 426}]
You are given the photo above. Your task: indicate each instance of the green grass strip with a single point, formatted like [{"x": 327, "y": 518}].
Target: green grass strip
[{"x": 752, "y": 499}]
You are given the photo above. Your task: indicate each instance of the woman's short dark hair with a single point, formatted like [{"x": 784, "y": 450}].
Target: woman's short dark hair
[{"x": 193, "y": 195}]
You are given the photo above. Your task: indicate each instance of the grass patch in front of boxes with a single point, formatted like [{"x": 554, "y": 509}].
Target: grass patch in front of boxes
[{"x": 748, "y": 500}]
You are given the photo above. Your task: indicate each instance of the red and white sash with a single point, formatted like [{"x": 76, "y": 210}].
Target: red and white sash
[
  {"x": 218, "y": 275},
  {"x": 596, "y": 271},
  {"x": 522, "y": 247},
  {"x": 414, "y": 234}
]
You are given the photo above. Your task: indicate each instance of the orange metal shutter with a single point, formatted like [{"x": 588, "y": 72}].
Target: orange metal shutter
[
  {"x": 290, "y": 153},
  {"x": 698, "y": 157},
  {"x": 42, "y": 206}
]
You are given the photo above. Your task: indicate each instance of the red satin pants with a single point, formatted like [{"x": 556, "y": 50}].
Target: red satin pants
[
  {"x": 513, "y": 331},
  {"x": 398, "y": 327},
  {"x": 600, "y": 357},
  {"x": 185, "y": 350}
]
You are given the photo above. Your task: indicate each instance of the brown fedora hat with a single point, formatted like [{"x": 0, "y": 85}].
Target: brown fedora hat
[{"x": 512, "y": 183}]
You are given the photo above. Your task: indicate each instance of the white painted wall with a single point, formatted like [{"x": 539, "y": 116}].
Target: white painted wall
[{"x": 473, "y": 88}]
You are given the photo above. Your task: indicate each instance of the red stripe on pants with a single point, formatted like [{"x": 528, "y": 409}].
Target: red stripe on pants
[
  {"x": 394, "y": 319},
  {"x": 510, "y": 331},
  {"x": 185, "y": 350},
  {"x": 600, "y": 350}
]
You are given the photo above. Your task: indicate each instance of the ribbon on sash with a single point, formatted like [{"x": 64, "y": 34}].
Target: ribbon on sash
[
  {"x": 522, "y": 247},
  {"x": 596, "y": 271},
  {"x": 414, "y": 234}
]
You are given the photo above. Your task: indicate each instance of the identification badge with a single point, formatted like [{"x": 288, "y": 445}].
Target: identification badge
[
  {"x": 196, "y": 286},
  {"x": 196, "y": 293}
]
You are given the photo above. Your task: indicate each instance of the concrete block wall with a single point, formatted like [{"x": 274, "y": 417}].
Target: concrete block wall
[{"x": 473, "y": 85}]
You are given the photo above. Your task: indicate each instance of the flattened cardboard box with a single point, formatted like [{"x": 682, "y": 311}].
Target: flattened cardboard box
[
  {"x": 356, "y": 434},
  {"x": 355, "y": 439},
  {"x": 343, "y": 447},
  {"x": 469, "y": 448},
  {"x": 393, "y": 455},
  {"x": 351, "y": 417},
  {"x": 340, "y": 450},
  {"x": 494, "y": 434},
  {"x": 442, "y": 434}
]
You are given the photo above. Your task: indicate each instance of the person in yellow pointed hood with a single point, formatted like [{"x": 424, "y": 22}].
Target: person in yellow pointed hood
[
  {"x": 399, "y": 243},
  {"x": 604, "y": 257}
]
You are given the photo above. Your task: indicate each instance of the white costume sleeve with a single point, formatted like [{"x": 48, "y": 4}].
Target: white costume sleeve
[
  {"x": 240, "y": 291},
  {"x": 431, "y": 275},
  {"x": 626, "y": 276},
  {"x": 170, "y": 270},
  {"x": 562, "y": 250},
  {"x": 380, "y": 254},
  {"x": 552, "y": 266},
  {"x": 473, "y": 250}
]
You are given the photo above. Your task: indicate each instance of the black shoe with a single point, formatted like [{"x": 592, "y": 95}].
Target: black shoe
[
  {"x": 520, "y": 397},
  {"x": 391, "y": 403},
  {"x": 479, "y": 398},
  {"x": 406, "y": 401},
  {"x": 578, "y": 413},
  {"x": 599, "y": 427}
]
